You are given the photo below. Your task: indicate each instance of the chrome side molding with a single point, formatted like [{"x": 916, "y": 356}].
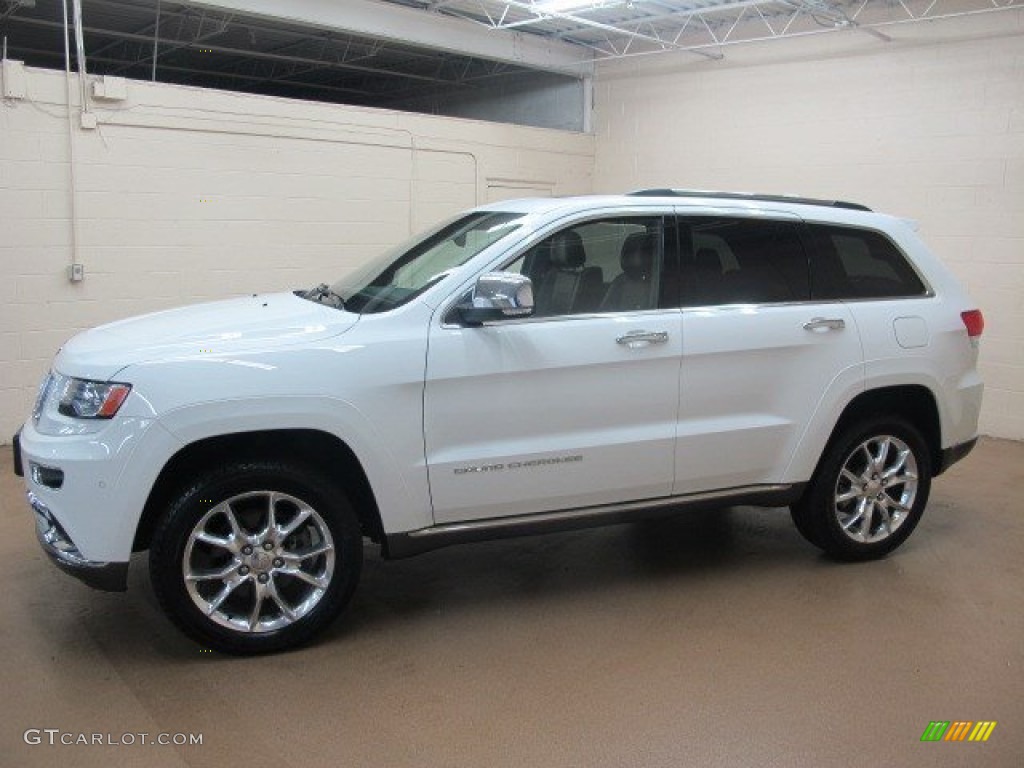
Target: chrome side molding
[{"x": 409, "y": 543}]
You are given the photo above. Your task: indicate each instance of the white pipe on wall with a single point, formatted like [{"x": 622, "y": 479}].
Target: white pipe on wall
[
  {"x": 71, "y": 146},
  {"x": 80, "y": 54}
]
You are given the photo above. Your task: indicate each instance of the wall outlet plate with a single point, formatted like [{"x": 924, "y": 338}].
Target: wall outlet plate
[{"x": 76, "y": 273}]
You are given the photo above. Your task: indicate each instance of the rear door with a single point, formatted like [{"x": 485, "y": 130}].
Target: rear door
[{"x": 759, "y": 356}]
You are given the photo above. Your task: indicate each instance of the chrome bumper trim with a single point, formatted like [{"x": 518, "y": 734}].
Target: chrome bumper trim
[{"x": 110, "y": 577}]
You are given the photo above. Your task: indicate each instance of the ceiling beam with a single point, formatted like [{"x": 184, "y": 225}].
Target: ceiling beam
[{"x": 409, "y": 26}]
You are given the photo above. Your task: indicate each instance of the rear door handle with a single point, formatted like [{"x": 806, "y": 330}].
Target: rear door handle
[
  {"x": 635, "y": 339},
  {"x": 828, "y": 323}
]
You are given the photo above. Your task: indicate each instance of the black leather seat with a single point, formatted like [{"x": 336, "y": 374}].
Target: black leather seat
[
  {"x": 707, "y": 276},
  {"x": 560, "y": 287},
  {"x": 590, "y": 291},
  {"x": 754, "y": 284},
  {"x": 634, "y": 288}
]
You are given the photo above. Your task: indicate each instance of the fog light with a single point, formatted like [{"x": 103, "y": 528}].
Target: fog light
[{"x": 51, "y": 477}]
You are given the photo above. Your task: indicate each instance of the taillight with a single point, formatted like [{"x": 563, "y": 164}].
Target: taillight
[{"x": 974, "y": 321}]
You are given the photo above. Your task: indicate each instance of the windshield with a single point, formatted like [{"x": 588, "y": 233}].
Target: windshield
[{"x": 404, "y": 272}]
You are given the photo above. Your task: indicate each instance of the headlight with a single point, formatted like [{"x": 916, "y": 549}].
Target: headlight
[
  {"x": 84, "y": 399},
  {"x": 44, "y": 392}
]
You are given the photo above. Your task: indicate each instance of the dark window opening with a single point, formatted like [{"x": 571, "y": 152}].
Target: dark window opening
[
  {"x": 742, "y": 261},
  {"x": 848, "y": 263},
  {"x": 210, "y": 48}
]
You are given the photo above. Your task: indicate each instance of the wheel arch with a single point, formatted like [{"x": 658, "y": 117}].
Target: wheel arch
[
  {"x": 914, "y": 402},
  {"x": 315, "y": 448}
]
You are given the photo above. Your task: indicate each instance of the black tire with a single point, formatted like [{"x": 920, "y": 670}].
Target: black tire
[
  {"x": 835, "y": 523},
  {"x": 800, "y": 513},
  {"x": 298, "y": 608}
]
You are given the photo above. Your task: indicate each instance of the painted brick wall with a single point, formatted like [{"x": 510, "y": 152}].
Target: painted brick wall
[
  {"x": 930, "y": 126},
  {"x": 187, "y": 195}
]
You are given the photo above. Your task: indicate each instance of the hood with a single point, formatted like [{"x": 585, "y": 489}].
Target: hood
[{"x": 234, "y": 326}]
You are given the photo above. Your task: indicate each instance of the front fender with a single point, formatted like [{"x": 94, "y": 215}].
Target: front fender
[{"x": 399, "y": 483}]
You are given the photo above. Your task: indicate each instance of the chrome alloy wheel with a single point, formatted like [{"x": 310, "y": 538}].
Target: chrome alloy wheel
[
  {"x": 258, "y": 561},
  {"x": 876, "y": 488}
]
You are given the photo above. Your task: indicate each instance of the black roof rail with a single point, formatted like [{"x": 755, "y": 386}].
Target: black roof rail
[{"x": 740, "y": 196}]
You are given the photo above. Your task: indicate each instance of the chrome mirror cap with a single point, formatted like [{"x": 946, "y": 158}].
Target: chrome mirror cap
[
  {"x": 510, "y": 292},
  {"x": 497, "y": 296}
]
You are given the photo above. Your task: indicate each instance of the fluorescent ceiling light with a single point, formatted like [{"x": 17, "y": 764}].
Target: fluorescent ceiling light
[{"x": 561, "y": 6}]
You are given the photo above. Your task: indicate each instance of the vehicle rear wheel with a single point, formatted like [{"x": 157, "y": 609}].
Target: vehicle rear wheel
[
  {"x": 256, "y": 557},
  {"x": 869, "y": 491}
]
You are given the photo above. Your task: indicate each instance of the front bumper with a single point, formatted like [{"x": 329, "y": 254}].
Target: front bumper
[
  {"x": 110, "y": 577},
  {"x": 95, "y": 484}
]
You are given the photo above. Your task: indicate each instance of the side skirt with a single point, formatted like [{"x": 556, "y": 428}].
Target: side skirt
[{"x": 409, "y": 543}]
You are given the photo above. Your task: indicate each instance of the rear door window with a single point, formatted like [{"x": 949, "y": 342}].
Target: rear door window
[{"x": 742, "y": 261}]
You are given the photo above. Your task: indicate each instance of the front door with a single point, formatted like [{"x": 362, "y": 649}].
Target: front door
[{"x": 573, "y": 407}]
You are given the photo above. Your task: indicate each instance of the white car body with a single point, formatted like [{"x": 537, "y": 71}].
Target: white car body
[{"x": 468, "y": 432}]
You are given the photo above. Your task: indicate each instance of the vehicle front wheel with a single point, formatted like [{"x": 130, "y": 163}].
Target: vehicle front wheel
[
  {"x": 256, "y": 557},
  {"x": 868, "y": 492}
]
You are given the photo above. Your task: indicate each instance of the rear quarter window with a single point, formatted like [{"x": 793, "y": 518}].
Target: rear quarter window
[{"x": 849, "y": 263}]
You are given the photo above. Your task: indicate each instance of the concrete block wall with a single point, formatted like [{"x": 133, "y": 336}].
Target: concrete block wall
[
  {"x": 929, "y": 126},
  {"x": 186, "y": 195}
]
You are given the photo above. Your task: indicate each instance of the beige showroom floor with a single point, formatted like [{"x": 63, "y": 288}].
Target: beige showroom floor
[{"x": 716, "y": 639}]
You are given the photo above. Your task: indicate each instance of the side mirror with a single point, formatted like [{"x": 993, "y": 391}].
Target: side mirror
[{"x": 498, "y": 296}]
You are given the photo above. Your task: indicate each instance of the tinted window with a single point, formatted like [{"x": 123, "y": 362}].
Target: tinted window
[
  {"x": 742, "y": 261},
  {"x": 607, "y": 265},
  {"x": 851, "y": 263}
]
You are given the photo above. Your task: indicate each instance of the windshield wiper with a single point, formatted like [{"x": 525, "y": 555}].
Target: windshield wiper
[{"x": 324, "y": 295}]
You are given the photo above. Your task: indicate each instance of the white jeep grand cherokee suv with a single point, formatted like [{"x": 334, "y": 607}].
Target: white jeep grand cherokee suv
[{"x": 525, "y": 367}]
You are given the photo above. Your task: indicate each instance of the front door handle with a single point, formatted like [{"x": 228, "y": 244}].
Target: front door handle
[
  {"x": 635, "y": 339},
  {"x": 827, "y": 323}
]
